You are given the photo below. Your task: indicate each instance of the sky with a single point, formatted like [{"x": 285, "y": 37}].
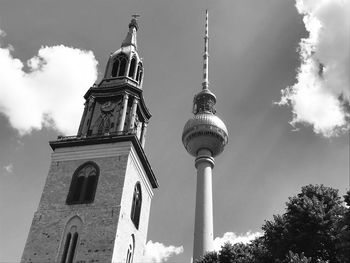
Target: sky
[{"x": 280, "y": 72}]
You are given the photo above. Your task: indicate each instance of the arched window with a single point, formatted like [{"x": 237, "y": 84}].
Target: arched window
[
  {"x": 140, "y": 78},
  {"x": 83, "y": 185},
  {"x": 132, "y": 67},
  {"x": 123, "y": 60},
  {"x": 115, "y": 68},
  {"x": 136, "y": 205},
  {"x": 66, "y": 247},
  {"x": 70, "y": 240},
  {"x": 131, "y": 250},
  {"x": 128, "y": 254},
  {"x": 139, "y": 73},
  {"x": 139, "y": 69},
  {"x": 119, "y": 66}
]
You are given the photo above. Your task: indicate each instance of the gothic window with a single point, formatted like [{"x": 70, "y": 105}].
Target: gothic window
[
  {"x": 115, "y": 68},
  {"x": 140, "y": 78},
  {"x": 119, "y": 66},
  {"x": 136, "y": 205},
  {"x": 130, "y": 252},
  {"x": 132, "y": 67},
  {"x": 123, "y": 60},
  {"x": 66, "y": 247},
  {"x": 83, "y": 185},
  {"x": 139, "y": 72},
  {"x": 70, "y": 240}
]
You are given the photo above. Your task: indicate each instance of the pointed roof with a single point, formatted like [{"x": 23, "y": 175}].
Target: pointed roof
[{"x": 130, "y": 39}]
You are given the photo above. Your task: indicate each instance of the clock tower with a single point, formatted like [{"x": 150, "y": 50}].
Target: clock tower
[{"x": 96, "y": 200}]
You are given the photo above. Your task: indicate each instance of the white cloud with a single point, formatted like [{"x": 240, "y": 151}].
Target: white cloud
[
  {"x": 157, "y": 252},
  {"x": 50, "y": 93},
  {"x": 9, "y": 168},
  {"x": 321, "y": 95},
  {"x": 234, "y": 238}
]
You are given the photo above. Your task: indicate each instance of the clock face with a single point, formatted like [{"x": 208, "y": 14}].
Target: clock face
[{"x": 107, "y": 106}]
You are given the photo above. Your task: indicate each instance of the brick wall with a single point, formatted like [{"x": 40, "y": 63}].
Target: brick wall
[{"x": 107, "y": 227}]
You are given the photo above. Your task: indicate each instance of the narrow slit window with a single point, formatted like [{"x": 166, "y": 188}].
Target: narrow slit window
[
  {"x": 73, "y": 248},
  {"x": 140, "y": 80},
  {"x": 136, "y": 205},
  {"x": 127, "y": 256},
  {"x": 139, "y": 73},
  {"x": 66, "y": 247},
  {"x": 70, "y": 240},
  {"x": 122, "y": 68},
  {"x": 131, "y": 250},
  {"x": 115, "y": 68},
  {"x": 132, "y": 67}
]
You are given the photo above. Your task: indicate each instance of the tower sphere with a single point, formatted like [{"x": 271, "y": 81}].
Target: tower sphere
[{"x": 205, "y": 131}]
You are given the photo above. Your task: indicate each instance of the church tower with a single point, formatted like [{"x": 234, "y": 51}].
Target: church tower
[
  {"x": 96, "y": 200},
  {"x": 204, "y": 137}
]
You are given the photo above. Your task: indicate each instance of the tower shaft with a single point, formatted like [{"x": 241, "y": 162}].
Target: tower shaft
[{"x": 203, "y": 226}]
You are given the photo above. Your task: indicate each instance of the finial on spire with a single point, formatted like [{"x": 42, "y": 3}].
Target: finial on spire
[
  {"x": 131, "y": 36},
  {"x": 133, "y": 22},
  {"x": 205, "y": 83}
]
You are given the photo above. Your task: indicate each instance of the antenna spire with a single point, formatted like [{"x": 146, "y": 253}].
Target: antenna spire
[{"x": 205, "y": 83}]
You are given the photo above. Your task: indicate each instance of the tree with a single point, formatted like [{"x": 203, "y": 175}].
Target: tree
[
  {"x": 237, "y": 253},
  {"x": 343, "y": 246},
  {"x": 314, "y": 229},
  {"x": 295, "y": 258},
  {"x": 211, "y": 257},
  {"x": 231, "y": 253},
  {"x": 309, "y": 226}
]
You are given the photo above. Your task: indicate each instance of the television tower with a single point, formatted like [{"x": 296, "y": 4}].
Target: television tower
[{"x": 204, "y": 136}]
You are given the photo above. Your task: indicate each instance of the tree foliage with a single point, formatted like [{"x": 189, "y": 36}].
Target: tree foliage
[
  {"x": 309, "y": 226},
  {"x": 211, "y": 257},
  {"x": 343, "y": 247},
  {"x": 295, "y": 258},
  {"x": 232, "y": 253},
  {"x": 314, "y": 229}
]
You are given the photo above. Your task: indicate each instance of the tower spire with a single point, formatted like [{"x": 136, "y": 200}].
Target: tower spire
[
  {"x": 205, "y": 83},
  {"x": 130, "y": 39},
  {"x": 205, "y": 100}
]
